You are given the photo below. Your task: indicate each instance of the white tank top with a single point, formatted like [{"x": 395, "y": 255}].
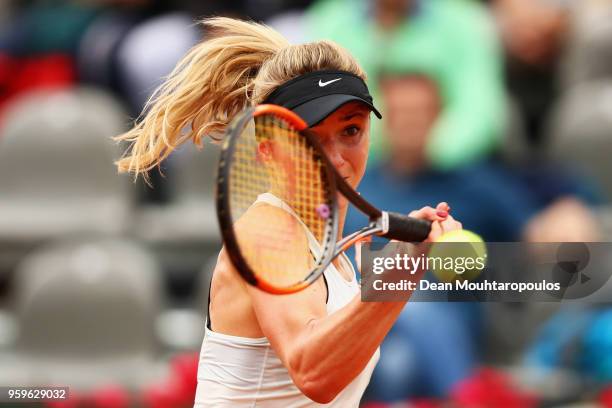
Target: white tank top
[{"x": 246, "y": 372}]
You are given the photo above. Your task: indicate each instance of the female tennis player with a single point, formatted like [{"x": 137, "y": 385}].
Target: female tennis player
[{"x": 319, "y": 345}]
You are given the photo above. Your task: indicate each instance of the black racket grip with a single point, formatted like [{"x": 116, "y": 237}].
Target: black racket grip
[{"x": 407, "y": 229}]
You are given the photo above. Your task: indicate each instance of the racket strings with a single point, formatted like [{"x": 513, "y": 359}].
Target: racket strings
[
  {"x": 299, "y": 172},
  {"x": 270, "y": 156}
]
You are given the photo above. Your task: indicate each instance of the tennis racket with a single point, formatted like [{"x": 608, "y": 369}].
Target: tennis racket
[{"x": 277, "y": 203}]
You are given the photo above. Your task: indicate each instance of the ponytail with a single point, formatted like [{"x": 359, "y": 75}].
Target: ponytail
[
  {"x": 239, "y": 65},
  {"x": 210, "y": 85}
]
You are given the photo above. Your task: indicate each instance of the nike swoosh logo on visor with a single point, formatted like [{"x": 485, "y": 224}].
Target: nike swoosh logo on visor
[{"x": 322, "y": 84}]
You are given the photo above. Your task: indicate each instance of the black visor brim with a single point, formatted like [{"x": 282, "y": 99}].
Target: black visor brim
[{"x": 316, "y": 110}]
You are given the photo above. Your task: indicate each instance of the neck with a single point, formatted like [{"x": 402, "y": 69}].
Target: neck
[
  {"x": 388, "y": 20},
  {"x": 390, "y": 16}
]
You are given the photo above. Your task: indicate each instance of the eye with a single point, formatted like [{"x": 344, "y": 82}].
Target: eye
[{"x": 351, "y": 131}]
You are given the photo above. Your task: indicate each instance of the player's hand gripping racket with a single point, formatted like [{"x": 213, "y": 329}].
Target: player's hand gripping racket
[{"x": 276, "y": 202}]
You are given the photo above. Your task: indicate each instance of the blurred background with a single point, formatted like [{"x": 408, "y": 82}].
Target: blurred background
[{"x": 503, "y": 108}]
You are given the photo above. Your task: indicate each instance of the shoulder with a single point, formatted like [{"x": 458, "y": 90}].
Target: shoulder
[{"x": 269, "y": 223}]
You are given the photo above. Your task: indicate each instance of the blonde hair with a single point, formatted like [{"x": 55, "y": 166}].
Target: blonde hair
[{"x": 239, "y": 65}]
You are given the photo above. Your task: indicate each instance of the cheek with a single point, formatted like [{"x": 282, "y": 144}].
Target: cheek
[{"x": 357, "y": 156}]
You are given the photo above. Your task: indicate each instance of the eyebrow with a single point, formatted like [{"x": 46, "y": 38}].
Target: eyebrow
[{"x": 352, "y": 115}]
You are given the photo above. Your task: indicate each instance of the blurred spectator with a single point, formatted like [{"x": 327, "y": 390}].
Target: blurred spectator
[
  {"x": 487, "y": 198},
  {"x": 577, "y": 338},
  {"x": 534, "y": 34},
  {"x": 38, "y": 44},
  {"x": 573, "y": 346},
  {"x": 533, "y": 31},
  {"x": 118, "y": 44},
  {"x": 572, "y": 349},
  {"x": 434, "y": 346},
  {"x": 44, "y": 27},
  {"x": 454, "y": 41},
  {"x": 566, "y": 220},
  {"x": 20, "y": 75},
  {"x": 149, "y": 52}
]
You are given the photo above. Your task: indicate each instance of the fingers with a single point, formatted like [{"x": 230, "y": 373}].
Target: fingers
[
  {"x": 436, "y": 231},
  {"x": 441, "y": 221},
  {"x": 428, "y": 213},
  {"x": 443, "y": 206},
  {"x": 439, "y": 213},
  {"x": 449, "y": 224},
  {"x": 442, "y": 210}
]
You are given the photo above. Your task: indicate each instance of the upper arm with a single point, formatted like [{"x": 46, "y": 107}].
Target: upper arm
[{"x": 282, "y": 318}]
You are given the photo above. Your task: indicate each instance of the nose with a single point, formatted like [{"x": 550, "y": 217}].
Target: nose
[{"x": 333, "y": 150}]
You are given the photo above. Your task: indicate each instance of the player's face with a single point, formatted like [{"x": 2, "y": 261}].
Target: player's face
[{"x": 345, "y": 137}]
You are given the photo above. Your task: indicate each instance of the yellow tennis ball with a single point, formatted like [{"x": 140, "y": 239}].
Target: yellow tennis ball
[
  {"x": 457, "y": 255},
  {"x": 460, "y": 235}
]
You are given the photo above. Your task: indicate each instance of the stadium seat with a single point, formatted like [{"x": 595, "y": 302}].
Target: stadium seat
[
  {"x": 185, "y": 231},
  {"x": 8, "y": 329},
  {"x": 86, "y": 310},
  {"x": 190, "y": 217},
  {"x": 181, "y": 329},
  {"x": 189, "y": 321},
  {"x": 580, "y": 132},
  {"x": 56, "y": 167}
]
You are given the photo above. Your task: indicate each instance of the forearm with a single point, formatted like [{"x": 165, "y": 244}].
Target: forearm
[{"x": 331, "y": 351}]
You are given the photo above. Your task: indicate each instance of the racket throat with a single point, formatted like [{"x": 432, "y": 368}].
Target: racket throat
[{"x": 382, "y": 223}]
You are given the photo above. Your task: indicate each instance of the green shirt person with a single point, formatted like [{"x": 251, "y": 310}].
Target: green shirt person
[{"x": 452, "y": 41}]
